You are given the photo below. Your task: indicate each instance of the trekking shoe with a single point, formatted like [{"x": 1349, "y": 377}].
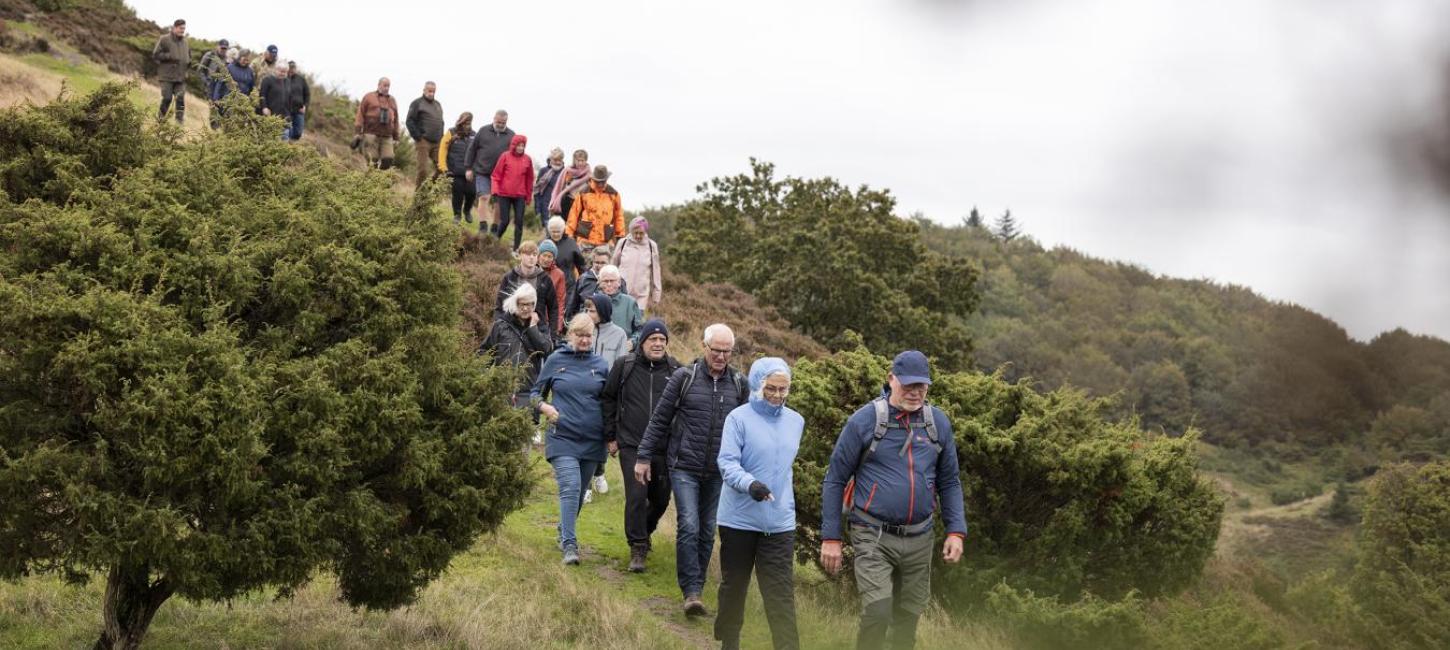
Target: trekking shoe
[
  {"x": 538, "y": 437},
  {"x": 636, "y": 559},
  {"x": 695, "y": 607},
  {"x": 600, "y": 485},
  {"x": 588, "y": 496},
  {"x": 571, "y": 555}
]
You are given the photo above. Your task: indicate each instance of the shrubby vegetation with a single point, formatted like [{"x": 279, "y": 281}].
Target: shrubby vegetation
[
  {"x": 227, "y": 364},
  {"x": 828, "y": 258},
  {"x": 1060, "y": 499}
]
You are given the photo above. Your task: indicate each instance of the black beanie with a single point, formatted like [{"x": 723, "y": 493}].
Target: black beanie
[{"x": 651, "y": 327}]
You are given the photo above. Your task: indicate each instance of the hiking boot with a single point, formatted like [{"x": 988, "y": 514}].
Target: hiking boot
[
  {"x": 571, "y": 555},
  {"x": 694, "y": 606},
  {"x": 600, "y": 485},
  {"x": 588, "y": 496},
  {"x": 636, "y": 559}
]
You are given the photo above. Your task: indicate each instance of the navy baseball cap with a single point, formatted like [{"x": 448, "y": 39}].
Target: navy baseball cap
[
  {"x": 271, "y": 49},
  {"x": 911, "y": 367}
]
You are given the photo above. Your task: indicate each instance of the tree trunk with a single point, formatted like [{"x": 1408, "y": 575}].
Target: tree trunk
[{"x": 130, "y": 602}]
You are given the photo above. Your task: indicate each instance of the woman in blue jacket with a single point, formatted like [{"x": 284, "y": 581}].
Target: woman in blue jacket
[
  {"x": 574, "y": 377},
  {"x": 757, "y": 510}
]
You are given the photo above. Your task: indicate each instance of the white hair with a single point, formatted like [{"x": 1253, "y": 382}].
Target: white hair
[
  {"x": 718, "y": 330},
  {"x": 233, "y": 54},
  {"x": 609, "y": 270},
  {"x": 524, "y": 291},
  {"x": 556, "y": 221},
  {"x": 759, "y": 393}
]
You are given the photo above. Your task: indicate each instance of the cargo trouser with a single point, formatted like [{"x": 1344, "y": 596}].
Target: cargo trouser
[{"x": 893, "y": 577}]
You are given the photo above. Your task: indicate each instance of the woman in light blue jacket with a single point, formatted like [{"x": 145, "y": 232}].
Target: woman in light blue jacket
[{"x": 756, "y": 516}]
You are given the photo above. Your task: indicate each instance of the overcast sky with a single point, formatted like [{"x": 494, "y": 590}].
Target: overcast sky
[{"x": 1267, "y": 143}]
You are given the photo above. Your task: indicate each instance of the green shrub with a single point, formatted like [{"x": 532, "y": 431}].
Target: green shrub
[
  {"x": 1402, "y": 579},
  {"x": 1059, "y": 500},
  {"x": 1040, "y": 622},
  {"x": 228, "y": 364}
]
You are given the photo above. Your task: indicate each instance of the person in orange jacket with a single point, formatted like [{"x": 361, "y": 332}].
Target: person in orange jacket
[{"x": 597, "y": 216}]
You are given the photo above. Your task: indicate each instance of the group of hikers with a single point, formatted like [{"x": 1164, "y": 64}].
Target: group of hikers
[
  {"x": 571, "y": 315},
  {"x": 278, "y": 88}
]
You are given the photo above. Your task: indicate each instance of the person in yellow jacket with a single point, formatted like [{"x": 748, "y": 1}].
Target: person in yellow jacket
[{"x": 597, "y": 217}]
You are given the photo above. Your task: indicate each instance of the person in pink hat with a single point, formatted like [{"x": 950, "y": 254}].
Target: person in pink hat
[{"x": 638, "y": 259}]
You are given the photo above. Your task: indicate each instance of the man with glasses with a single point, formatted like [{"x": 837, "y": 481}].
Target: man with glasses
[
  {"x": 685, "y": 429},
  {"x": 894, "y": 460}
]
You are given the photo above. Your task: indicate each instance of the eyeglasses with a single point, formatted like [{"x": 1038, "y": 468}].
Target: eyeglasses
[
  {"x": 914, "y": 388},
  {"x": 774, "y": 390},
  {"x": 723, "y": 353},
  {"x": 525, "y": 304}
]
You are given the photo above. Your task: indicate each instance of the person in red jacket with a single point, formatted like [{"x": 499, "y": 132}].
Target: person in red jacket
[{"x": 513, "y": 183}]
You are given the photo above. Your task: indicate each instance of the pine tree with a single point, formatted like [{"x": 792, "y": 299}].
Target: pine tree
[
  {"x": 1007, "y": 227},
  {"x": 974, "y": 220},
  {"x": 1339, "y": 509}
]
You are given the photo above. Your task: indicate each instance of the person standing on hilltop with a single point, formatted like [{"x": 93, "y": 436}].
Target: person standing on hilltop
[
  {"x": 899, "y": 458},
  {"x": 377, "y": 125},
  {"x": 757, "y": 507},
  {"x": 638, "y": 259},
  {"x": 685, "y": 430},
  {"x": 635, "y": 385},
  {"x": 545, "y": 180},
  {"x": 451, "y": 152},
  {"x": 574, "y": 179},
  {"x": 173, "y": 58},
  {"x": 597, "y": 216},
  {"x": 425, "y": 125},
  {"x": 513, "y": 182},
  {"x": 299, "y": 97},
  {"x": 266, "y": 65},
  {"x": 213, "y": 70},
  {"x": 490, "y": 143},
  {"x": 272, "y": 97}
]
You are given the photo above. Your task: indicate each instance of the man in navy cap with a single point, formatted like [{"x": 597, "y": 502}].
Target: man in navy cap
[
  {"x": 899, "y": 459},
  {"x": 213, "y": 72},
  {"x": 267, "y": 65}
]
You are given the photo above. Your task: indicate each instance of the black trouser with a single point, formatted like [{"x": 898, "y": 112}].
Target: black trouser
[
  {"x": 644, "y": 503},
  {"x": 566, "y": 203},
  {"x": 463, "y": 198},
  {"x": 169, "y": 90},
  {"x": 513, "y": 204},
  {"x": 770, "y": 555}
]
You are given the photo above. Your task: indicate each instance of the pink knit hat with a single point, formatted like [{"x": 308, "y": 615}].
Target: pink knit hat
[{"x": 640, "y": 222}]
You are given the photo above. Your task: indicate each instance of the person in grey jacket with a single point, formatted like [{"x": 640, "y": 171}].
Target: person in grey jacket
[
  {"x": 425, "y": 126},
  {"x": 173, "y": 57},
  {"x": 488, "y": 144},
  {"x": 610, "y": 342}
]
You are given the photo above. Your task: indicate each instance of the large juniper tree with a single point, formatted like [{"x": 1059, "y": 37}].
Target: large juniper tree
[{"x": 227, "y": 364}]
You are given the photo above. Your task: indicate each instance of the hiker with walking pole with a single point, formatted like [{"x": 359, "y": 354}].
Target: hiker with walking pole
[{"x": 895, "y": 462}]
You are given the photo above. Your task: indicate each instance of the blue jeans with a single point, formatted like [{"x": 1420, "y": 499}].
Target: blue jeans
[
  {"x": 299, "y": 120},
  {"x": 696, "y": 499},
  {"x": 573, "y": 475}
]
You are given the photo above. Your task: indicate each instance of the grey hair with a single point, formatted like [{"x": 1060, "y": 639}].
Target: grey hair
[
  {"x": 557, "y": 220},
  {"x": 429, "y": 83},
  {"x": 233, "y": 54},
  {"x": 759, "y": 393},
  {"x": 524, "y": 291},
  {"x": 500, "y": 113},
  {"x": 603, "y": 248},
  {"x": 718, "y": 329},
  {"x": 609, "y": 269}
]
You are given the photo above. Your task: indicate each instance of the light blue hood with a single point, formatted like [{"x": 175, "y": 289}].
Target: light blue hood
[{"x": 762, "y": 368}]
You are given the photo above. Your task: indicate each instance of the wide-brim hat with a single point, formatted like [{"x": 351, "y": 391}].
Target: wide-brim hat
[{"x": 601, "y": 173}]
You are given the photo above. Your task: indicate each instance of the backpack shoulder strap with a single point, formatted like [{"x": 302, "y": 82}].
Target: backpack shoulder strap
[
  {"x": 628, "y": 360},
  {"x": 742, "y": 388},
  {"x": 928, "y": 416},
  {"x": 685, "y": 385}
]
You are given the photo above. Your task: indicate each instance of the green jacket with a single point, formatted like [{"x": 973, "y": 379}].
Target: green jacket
[{"x": 173, "y": 58}]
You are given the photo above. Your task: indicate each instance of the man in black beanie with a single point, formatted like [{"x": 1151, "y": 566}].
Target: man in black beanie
[{"x": 633, "y": 388}]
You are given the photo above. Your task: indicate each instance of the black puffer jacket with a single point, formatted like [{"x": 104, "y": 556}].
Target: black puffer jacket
[
  {"x": 514, "y": 344},
  {"x": 692, "y": 441},
  {"x": 543, "y": 285},
  {"x": 629, "y": 401}
]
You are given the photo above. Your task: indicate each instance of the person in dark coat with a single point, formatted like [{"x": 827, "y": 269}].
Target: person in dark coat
[
  {"x": 172, "y": 55},
  {"x": 425, "y": 126},
  {"x": 574, "y": 376},
  {"x": 451, "y": 152},
  {"x": 569, "y": 258},
  {"x": 588, "y": 283},
  {"x": 272, "y": 97},
  {"x": 242, "y": 76},
  {"x": 517, "y": 339},
  {"x": 635, "y": 386},
  {"x": 685, "y": 429},
  {"x": 529, "y": 272},
  {"x": 488, "y": 144},
  {"x": 299, "y": 96}
]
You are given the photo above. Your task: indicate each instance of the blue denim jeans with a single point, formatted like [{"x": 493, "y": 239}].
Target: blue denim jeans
[
  {"x": 696, "y": 499},
  {"x": 299, "y": 120},
  {"x": 573, "y": 475}
]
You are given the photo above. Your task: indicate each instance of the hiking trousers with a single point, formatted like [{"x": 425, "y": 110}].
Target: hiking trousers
[
  {"x": 173, "y": 90},
  {"x": 893, "y": 576},
  {"x": 644, "y": 503},
  {"x": 770, "y": 556}
]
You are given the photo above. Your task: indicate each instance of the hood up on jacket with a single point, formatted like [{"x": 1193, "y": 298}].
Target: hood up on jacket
[
  {"x": 517, "y": 140},
  {"x": 603, "y": 306},
  {"x": 762, "y": 368}
]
